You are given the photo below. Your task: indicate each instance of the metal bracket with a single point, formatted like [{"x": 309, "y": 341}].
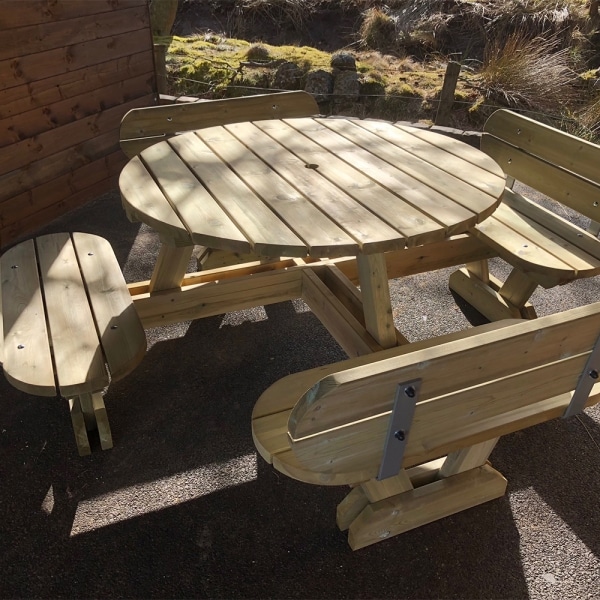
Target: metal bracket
[
  {"x": 586, "y": 382},
  {"x": 405, "y": 402}
]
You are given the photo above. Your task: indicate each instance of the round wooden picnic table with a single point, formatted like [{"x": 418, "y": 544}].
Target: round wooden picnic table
[{"x": 318, "y": 187}]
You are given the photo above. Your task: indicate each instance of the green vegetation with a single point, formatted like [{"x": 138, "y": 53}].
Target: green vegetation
[{"x": 537, "y": 55}]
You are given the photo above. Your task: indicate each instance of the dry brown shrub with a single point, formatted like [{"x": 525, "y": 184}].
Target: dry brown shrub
[
  {"x": 520, "y": 71},
  {"x": 378, "y": 30}
]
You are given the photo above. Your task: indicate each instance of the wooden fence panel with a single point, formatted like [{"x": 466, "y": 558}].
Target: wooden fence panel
[{"x": 69, "y": 71}]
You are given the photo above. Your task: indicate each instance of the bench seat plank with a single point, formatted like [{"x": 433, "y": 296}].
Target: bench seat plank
[
  {"x": 77, "y": 354},
  {"x": 121, "y": 333},
  {"x": 27, "y": 361}
]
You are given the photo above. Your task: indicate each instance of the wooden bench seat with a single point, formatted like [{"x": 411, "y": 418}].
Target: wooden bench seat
[
  {"x": 330, "y": 425},
  {"x": 543, "y": 247},
  {"x": 69, "y": 326}
]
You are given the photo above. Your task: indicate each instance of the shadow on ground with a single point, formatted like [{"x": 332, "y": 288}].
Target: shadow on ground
[{"x": 182, "y": 507}]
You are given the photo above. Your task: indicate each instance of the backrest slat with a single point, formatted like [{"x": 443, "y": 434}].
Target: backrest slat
[
  {"x": 579, "y": 194},
  {"x": 448, "y": 423},
  {"x": 159, "y": 122},
  {"x": 552, "y": 145},
  {"x": 469, "y": 387}
]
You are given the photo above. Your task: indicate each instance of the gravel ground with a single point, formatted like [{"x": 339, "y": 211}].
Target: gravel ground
[{"x": 182, "y": 507}]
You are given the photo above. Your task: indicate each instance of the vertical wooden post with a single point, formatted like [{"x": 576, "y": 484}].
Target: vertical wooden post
[
  {"x": 160, "y": 65},
  {"x": 594, "y": 8},
  {"x": 447, "y": 96}
]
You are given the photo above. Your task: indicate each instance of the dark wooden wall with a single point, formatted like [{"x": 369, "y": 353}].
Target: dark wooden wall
[{"x": 69, "y": 71}]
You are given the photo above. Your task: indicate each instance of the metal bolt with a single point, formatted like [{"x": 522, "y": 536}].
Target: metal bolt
[
  {"x": 20, "y": 346},
  {"x": 410, "y": 391},
  {"x": 593, "y": 374},
  {"x": 90, "y": 254},
  {"x": 114, "y": 326},
  {"x": 15, "y": 267},
  {"x": 400, "y": 435}
]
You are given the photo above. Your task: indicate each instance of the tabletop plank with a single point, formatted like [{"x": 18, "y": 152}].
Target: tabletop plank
[
  {"x": 486, "y": 176},
  {"x": 369, "y": 231},
  {"x": 208, "y": 223},
  {"x": 425, "y": 168},
  {"x": 399, "y": 171},
  {"x": 144, "y": 201},
  {"x": 409, "y": 221},
  {"x": 396, "y": 178},
  {"x": 463, "y": 151},
  {"x": 266, "y": 233},
  {"x": 322, "y": 236}
]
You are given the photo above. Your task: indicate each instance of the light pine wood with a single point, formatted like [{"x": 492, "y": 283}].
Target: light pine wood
[
  {"x": 78, "y": 357},
  {"x": 368, "y": 230},
  {"x": 157, "y": 122},
  {"x": 375, "y": 293},
  {"x": 350, "y": 508},
  {"x": 93, "y": 333},
  {"x": 409, "y": 261},
  {"x": 550, "y": 144},
  {"x": 121, "y": 334},
  {"x": 79, "y": 427},
  {"x": 198, "y": 300},
  {"x": 438, "y": 169},
  {"x": 170, "y": 267},
  {"x": 196, "y": 207},
  {"x": 27, "y": 360},
  {"x": 306, "y": 188},
  {"x": 267, "y": 234},
  {"x": 350, "y": 334},
  {"x": 378, "y": 490},
  {"x": 486, "y": 297},
  {"x": 467, "y": 458},
  {"x": 480, "y": 269},
  {"x": 144, "y": 201},
  {"x": 437, "y": 500},
  {"x": 475, "y": 387},
  {"x": 542, "y": 247},
  {"x": 271, "y": 413},
  {"x": 102, "y": 424},
  {"x": 517, "y": 288}
]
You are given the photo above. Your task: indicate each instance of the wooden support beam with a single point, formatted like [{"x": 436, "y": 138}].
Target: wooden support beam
[
  {"x": 170, "y": 268},
  {"x": 426, "y": 504},
  {"x": 375, "y": 293}
]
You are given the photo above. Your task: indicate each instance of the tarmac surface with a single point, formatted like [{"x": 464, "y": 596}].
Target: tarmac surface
[{"x": 182, "y": 506}]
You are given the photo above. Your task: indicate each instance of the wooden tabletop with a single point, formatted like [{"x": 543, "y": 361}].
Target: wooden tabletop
[{"x": 310, "y": 186}]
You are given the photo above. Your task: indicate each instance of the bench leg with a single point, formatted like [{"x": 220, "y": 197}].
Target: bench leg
[
  {"x": 79, "y": 426},
  {"x": 376, "y": 510},
  {"x": 490, "y": 297},
  {"x": 88, "y": 413}
]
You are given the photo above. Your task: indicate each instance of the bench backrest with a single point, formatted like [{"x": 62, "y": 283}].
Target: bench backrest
[
  {"x": 142, "y": 127},
  {"x": 472, "y": 389},
  {"x": 557, "y": 164}
]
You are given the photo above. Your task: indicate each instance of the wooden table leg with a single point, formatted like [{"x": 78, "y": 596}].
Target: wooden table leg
[
  {"x": 375, "y": 292},
  {"x": 170, "y": 268}
]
